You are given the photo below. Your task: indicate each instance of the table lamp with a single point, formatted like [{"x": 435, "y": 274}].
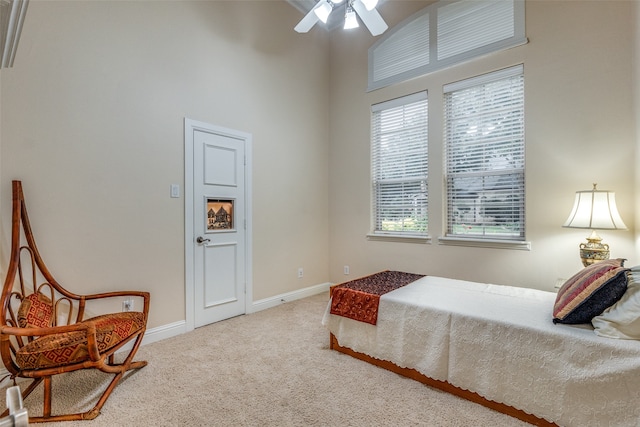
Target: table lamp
[{"x": 594, "y": 209}]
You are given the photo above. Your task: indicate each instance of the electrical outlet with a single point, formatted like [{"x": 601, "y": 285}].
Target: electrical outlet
[
  {"x": 127, "y": 305},
  {"x": 346, "y": 270},
  {"x": 300, "y": 273},
  {"x": 559, "y": 283}
]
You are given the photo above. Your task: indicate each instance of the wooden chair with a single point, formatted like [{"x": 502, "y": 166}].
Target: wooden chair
[{"x": 43, "y": 331}]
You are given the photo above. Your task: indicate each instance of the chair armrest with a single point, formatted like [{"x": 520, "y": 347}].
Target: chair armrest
[
  {"x": 116, "y": 294},
  {"x": 146, "y": 296}
]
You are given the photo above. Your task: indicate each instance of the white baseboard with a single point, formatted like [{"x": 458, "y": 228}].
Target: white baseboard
[
  {"x": 160, "y": 333},
  {"x": 289, "y": 296},
  {"x": 180, "y": 327}
]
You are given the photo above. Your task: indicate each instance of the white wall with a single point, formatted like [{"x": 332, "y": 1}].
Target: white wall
[
  {"x": 92, "y": 123},
  {"x": 580, "y": 129}
]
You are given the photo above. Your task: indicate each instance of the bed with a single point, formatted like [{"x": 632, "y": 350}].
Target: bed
[{"x": 495, "y": 345}]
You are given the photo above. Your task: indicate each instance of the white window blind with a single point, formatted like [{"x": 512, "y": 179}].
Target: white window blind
[
  {"x": 404, "y": 50},
  {"x": 444, "y": 34},
  {"x": 399, "y": 166},
  {"x": 468, "y": 25},
  {"x": 484, "y": 156}
]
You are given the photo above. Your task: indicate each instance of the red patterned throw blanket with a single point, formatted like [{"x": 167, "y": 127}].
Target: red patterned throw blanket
[{"x": 359, "y": 299}]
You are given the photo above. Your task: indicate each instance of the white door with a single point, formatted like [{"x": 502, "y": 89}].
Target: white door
[{"x": 219, "y": 235}]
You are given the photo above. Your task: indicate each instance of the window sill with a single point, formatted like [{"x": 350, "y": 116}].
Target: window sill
[
  {"x": 398, "y": 238},
  {"x": 485, "y": 243}
]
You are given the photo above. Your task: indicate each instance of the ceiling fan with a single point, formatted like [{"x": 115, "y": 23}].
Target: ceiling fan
[{"x": 365, "y": 9}]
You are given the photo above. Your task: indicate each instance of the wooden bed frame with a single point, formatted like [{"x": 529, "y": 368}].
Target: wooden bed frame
[{"x": 440, "y": 385}]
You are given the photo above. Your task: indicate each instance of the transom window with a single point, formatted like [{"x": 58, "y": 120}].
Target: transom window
[{"x": 443, "y": 34}]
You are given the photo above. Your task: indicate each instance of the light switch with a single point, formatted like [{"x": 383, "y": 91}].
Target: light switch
[{"x": 175, "y": 190}]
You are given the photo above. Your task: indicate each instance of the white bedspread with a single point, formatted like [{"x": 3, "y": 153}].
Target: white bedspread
[{"x": 500, "y": 342}]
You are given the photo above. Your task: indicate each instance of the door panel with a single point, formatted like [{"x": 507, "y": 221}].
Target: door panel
[
  {"x": 220, "y": 166},
  {"x": 219, "y": 224},
  {"x": 220, "y": 269}
]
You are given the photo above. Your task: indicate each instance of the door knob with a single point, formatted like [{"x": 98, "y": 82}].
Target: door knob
[{"x": 201, "y": 240}]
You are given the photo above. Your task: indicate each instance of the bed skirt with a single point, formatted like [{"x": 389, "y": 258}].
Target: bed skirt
[{"x": 440, "y": 385}]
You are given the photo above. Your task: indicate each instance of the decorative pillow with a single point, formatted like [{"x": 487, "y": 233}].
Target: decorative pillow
[
  {"x": 590, "y": 291},
  {"x": 35, "y": 311},
  {"x": 622, "y": 319}
]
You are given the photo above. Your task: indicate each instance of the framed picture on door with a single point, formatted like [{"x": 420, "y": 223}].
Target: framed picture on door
[{"x": 219, "y": 214}]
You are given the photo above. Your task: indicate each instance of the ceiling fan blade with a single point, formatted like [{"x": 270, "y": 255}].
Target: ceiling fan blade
[
  {"x": 370, "y": 18},
  {"x": 307, "y": 22}
]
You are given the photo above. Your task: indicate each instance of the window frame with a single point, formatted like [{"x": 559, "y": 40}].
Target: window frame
[
  {"x": 518, "y": 149},
  {"x": 398, "y": 110}
]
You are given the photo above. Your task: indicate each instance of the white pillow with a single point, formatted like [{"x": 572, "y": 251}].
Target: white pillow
[{"x": 622, "y": 319}]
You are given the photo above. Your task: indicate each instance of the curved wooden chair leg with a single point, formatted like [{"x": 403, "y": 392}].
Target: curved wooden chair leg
[
  {"x": 127, "y": 365},
  {"x": 91, "y": 413},
  {"x": 103, "y": 399}
]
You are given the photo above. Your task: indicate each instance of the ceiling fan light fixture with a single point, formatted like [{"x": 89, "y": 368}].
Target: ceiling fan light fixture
[
  {"x": 370, "y": 4},
  {"x": 323, "y": 10},
  {"x": 350, "y": 20},
  {"x": 356, "y": 11}
]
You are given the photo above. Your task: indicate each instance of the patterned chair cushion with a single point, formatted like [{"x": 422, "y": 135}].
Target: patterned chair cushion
[
  {"x": 71, "y": 347},
  {"x": 35, "y": 311}
]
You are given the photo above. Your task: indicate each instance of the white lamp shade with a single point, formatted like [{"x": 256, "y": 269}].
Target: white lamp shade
[
  {"x": 595, "y": 209},
  {"x": 323, "y": 10}
]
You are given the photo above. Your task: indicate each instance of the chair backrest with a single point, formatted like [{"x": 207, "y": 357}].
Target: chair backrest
[{"x": 31, "y": 297}]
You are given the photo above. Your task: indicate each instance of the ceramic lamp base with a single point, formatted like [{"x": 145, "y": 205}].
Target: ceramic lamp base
[{"x": 594, "y": 250}]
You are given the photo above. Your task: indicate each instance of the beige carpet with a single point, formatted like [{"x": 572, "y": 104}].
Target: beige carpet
[{"x": 271, "y": 368}]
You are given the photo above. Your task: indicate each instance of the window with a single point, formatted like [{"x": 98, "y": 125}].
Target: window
[
  {"x": 444, "y": 34},
  {"x": 399, "y": 166},
  {"x": 403, "y": 50},
  {"x": 484, "y": 156}
]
